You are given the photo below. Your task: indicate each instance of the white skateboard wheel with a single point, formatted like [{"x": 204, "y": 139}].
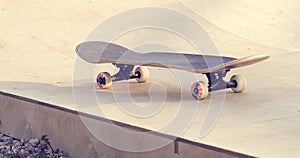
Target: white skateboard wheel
[
  {"x": 240, "y": 83},
  {"x": 104, "y": 80},
  {"x": 199, "y": 90},
  {"x": 143, "y": 74}
]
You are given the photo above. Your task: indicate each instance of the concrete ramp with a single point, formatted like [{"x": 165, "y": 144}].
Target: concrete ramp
[{"x": 25, "y": 118}]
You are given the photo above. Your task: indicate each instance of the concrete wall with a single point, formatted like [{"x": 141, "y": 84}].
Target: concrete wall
[{"x": 26, "y": 118}]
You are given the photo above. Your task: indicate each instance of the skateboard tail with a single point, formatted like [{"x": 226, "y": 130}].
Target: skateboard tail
[
  {"x": 238, "y": 63},
  {"x": 248, "y": 60}
]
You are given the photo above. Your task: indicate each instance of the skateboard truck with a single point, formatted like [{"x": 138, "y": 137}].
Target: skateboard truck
[
  {"x": 125, "y": 72},
  {"x": 216, "y": 81}
]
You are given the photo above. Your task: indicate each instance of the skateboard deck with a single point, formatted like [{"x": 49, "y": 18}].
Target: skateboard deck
[
  {"x": 214, "y": 67},
  {"x": 102, "y": 52}
]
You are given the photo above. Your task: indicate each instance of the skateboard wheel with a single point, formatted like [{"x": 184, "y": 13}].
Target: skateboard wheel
[
  {"x": 104, "y": 80},
  {"x": 240, "y": 82},
  {"x": 142, "y": 74},
  {"x": 199, "y": 90}
]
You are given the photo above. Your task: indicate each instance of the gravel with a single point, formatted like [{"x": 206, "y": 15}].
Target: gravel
[{"x": 33, "y": 148}]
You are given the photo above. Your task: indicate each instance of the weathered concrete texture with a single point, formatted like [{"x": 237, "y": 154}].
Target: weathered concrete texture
[{"x": 26, "y": 118}]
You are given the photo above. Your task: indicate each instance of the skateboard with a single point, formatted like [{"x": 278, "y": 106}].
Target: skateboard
[{"x": 215, "y": 68}]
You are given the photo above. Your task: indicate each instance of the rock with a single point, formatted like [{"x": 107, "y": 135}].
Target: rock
[
  {"x": 7, "y": 139},
  {"x": 26, "y": 154},
  {"x": 16, "y": 141},
  {"x": 36, "y": 155},
  {"x": 43, "y": 145},
  {"x": 16, "y": 144},
  {"x": 10, "y": 147},
  {"x": 42, "y": 154},
  {"x": 37, "y": 150},
  {"x": 34, "y": 142},
  {"x": 23, "y": 141},
  {"x": 2, "y": 147},
  {"x": 21, "y": 153},
  {"x": 56, "y": 151},
  {"x": 29, "y": 148}
]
